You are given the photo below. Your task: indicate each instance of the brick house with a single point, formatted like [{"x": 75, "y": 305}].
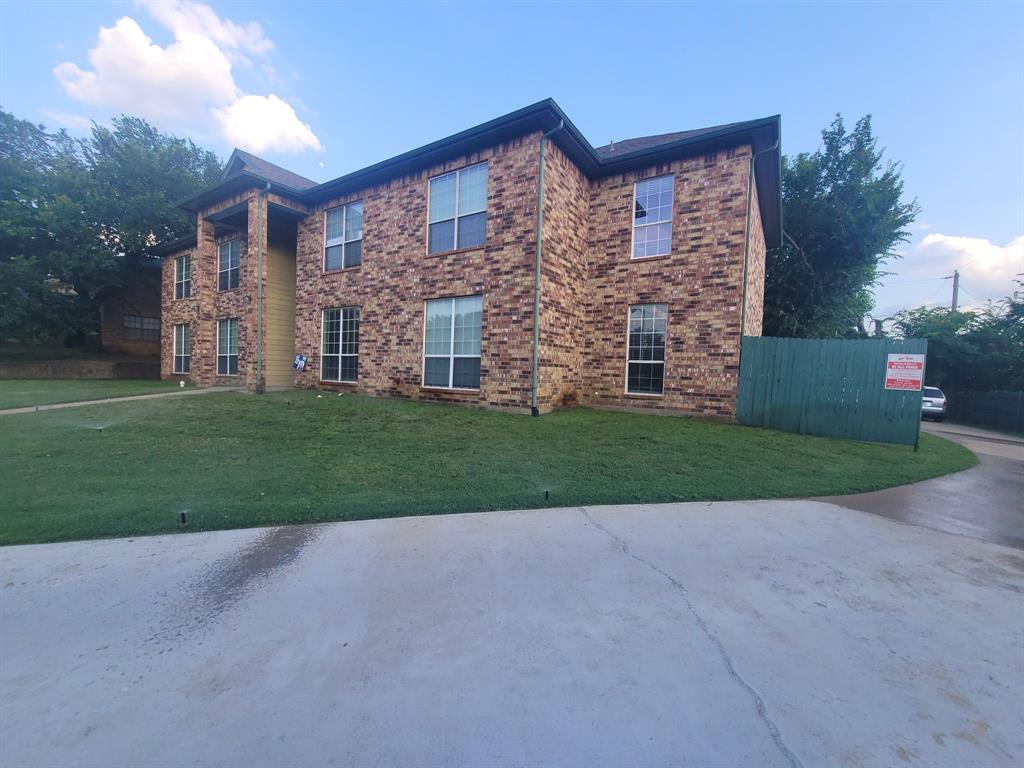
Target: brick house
[{"x": 511, "y": 265}]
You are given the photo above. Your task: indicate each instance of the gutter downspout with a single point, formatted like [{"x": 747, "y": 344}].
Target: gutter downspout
[
  {"x": 746, "y": 235},
  {"x": 536, "y": 272},
  {"x": 259, "y": 288}
]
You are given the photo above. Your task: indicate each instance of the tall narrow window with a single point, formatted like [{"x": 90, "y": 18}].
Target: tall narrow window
[
  {"x": 451, "y": 343},
  {"x": 652, "y": 217},
  {"x": 227, "y": 347},
  {"x": 339, "y": 359},
  {"x": 343, "y": 237},
  {"x": 458, "y": 209},
  {"x": 182, "y": 348},
  {"x": 645, "y": 366},
  {"x": 228, "y": 258},
  {"x": 183, "y": 277}
]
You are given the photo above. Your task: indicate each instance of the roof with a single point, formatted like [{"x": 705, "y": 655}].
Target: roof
[
  {"x": 617, "y": 148},
  {"x": 244, "y": 171},
  {"x": 244, "y": 161}
]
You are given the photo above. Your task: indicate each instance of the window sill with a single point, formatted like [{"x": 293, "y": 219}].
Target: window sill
[
  {"x": 183, "y": 298},
  {"x": 229, "y": 290},
  {"x": 340, "y": 270},
  {"x": 645, "y": 395},
  {"x": 330, "y": 383},
  {"x": 651, "y": 258},
  {"x": 456, "y": 251},
  {"x": 455, "y": 390}
]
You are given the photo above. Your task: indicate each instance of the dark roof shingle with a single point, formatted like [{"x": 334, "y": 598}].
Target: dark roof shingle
[
  {"x": 628, "y": 146},
  {"x": 244, "y": 161}
]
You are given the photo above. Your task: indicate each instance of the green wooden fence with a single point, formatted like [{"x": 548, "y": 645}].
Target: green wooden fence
[{"x": 830, "y": 387}]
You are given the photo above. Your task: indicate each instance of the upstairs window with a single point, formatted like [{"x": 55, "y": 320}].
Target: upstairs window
[
  {"x": 183, "y": 277},
  {"x": 458, "y": 209},
  {"x": 227, "y": 347},
  {"x": 182, "y": 348},
  {"x": 451, "y": 343},
  {"x": 645, "y": 364},
  {"x": 138, "y": 328},
  {"x": 652, "y": 217},
  {"x": 228, "y": 258},
  {"x": 343, "y": 237},
  {"x": 339, "y": 359}
]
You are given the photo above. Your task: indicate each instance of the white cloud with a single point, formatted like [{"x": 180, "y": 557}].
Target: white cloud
[
  {"x": 987, "y": 270},
  {"x": 189, "y": 83},
  {"x": 260, "y": 123}
]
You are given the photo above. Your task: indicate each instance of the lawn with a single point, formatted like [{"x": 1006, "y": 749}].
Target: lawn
[
  {"x": 18, "y": 393},
  {"x": 231, "y": 460}
]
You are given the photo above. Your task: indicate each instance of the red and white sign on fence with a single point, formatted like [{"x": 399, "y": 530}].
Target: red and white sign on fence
[{"x": 905, "y": 372}]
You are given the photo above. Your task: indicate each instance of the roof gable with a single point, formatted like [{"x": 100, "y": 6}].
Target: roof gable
[{"x": 245, "y": 162}]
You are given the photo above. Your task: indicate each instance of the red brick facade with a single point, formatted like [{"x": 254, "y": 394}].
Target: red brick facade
[{"x": 588, "y": 282}]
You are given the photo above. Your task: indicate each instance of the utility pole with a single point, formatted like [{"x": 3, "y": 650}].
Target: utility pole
[{"x": 956, "y": 289}]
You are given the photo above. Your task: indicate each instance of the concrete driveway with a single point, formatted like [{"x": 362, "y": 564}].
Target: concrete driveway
[
  {"x": 734, "y": 634},
  {"x": 986, "y": 502}
]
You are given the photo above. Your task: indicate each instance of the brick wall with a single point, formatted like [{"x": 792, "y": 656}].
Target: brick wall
[
  {"x": 588, "y": 283},
  {"x": 563, "y": 280},
  {"x": 700, "y": 281},
  {"x": 756, "y": 263},
  {"x": 397, "y": 277},
  {"x": 206, "y": 306},
  {"x": 140, "y": 297}
]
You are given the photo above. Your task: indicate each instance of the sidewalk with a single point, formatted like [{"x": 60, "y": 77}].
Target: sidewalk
[{"x": 79, "y": 403}]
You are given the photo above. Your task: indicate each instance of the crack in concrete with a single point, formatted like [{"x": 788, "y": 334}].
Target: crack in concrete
[{"x": 762, "y": 711}]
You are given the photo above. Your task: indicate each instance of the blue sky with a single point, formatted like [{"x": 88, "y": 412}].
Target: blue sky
[{"x": 326, "y": 88}]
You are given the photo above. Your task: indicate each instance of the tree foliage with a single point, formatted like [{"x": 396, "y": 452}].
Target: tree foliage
[
  {"x": 843, "y": 214},
  {"x": 79, "y": 216},
  {"x": 971, "y": 350}
]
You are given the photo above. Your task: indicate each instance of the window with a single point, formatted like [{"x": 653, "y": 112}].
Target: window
[
  {"x": 343, "y": 237},
  {"x": 652, "y": 217},
  {"x": 183, "y": 277},
  {"x": 451, "y": 343},
  {"x": 137, "y": 328},
  {"x": 645, "y": 365},
  {"x": 227, "y": 264},
  {"x": 458, "y": 209},
  {"x": 227, "y": 347},
  {"x": 339, "y": 359},
  {"x": 182, "y": 348}
]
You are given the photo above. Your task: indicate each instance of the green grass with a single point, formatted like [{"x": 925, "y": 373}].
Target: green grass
[
  {"x": 18, "y": 393},
  {"x": 233, "y": 460}
]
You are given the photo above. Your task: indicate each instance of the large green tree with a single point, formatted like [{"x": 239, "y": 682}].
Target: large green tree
[
  {"x": 80, "y": 216},
  {"x": 843, "y": 214}
]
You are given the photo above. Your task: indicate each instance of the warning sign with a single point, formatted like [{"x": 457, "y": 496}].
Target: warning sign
[{"x": 904, "y": 372}]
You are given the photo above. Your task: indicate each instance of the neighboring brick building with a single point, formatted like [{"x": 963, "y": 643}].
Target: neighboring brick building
[
  {"x": 130, "y": 314},
  {"x": 418, "y": 277}
]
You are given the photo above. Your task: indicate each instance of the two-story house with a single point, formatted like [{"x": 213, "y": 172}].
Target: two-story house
[{"x": 512, "y": 265}]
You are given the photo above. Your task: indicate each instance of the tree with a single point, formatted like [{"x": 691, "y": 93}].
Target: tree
[
  {"x": 81, "y": 216},
  {"x": 843, "y": 214},
  {"x": 971, "y": 350}
]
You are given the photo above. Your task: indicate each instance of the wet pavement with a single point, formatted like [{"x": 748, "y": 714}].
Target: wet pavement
[
  {"x": 777, "y": 633},
  {"x": 985, "y": 502}
]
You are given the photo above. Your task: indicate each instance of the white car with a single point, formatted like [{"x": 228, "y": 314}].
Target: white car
[{"x": 933, "y": 403}]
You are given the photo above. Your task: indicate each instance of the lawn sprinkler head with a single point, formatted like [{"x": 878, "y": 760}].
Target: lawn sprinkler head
[{"x": 184, "y": 519}]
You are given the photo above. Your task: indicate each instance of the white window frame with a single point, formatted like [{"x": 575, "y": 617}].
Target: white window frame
[
  {"x": 663, "y": 362},
  {"x": 341, "y": 337},
  {"x": 186, "y": 330},
  {"x": 238, "y": 269},
  {"x": 451, "y": 356},
  {"x": 634, "y": 226},
  {"x": 228, "y": 355},
  {"x": 183, "y": 276},
  {"x": 344, "y": 240},
  {"x": 455, "y": 231}
]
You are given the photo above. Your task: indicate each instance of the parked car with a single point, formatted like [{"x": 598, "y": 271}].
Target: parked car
[{"x": 933, "y": 403}]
